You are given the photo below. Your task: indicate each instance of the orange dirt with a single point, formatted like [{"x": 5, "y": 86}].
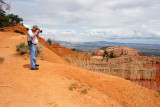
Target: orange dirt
[
  {"x": 59, "y": 50},
  {"x": 16, "y": 27},
  {"x": 50, "y": 85}
]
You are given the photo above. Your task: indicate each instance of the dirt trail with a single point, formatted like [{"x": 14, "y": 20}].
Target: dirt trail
[{"x": 50, "y": 86}]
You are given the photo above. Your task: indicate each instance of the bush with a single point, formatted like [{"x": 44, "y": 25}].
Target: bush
[
  {"x": 121, "y": 52},
  {"x": 17, "y": 31},
  {"x": 27, "y": 28},
  {"x": 42, "y": 57},
  {"x": 105, "y": 53},
  {"x": 39, "y": 49},
  {"x": 74, "y": 49},
  {"x": 49, "y": 41},
  {"x": 70, "y": 88},
  {"x": 22, "y": 48},
  {"x": 1, "y": 59},
  {"x": 104, "y": 48},
  {"x": 112, "y": 55},
  {"x": 1, "y": 29},
  {"x": 84, "y": 91},
  {"x": 158, "y": 91},
  {"x": 93, "y": 54},
  {"x": 77, "y": 50}
]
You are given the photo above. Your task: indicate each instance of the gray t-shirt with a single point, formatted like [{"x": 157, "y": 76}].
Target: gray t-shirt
[{"x": 34, "y": 40}]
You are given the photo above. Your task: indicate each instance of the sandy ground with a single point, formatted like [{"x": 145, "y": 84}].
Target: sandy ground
[{"x": 57, "y": 84}]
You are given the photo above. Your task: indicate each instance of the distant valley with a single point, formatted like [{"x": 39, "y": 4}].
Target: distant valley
[{"x": 148, "y": 49}]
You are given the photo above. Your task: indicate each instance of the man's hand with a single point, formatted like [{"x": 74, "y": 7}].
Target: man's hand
[{"x": 37, "y": 31}]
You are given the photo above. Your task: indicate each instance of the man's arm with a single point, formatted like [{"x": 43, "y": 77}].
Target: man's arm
[{"x": 36, "y": 33}]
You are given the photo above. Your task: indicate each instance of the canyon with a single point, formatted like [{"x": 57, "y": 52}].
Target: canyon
[{"x": 128, "y": 63}]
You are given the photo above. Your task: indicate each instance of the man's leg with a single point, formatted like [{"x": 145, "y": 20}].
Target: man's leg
[
  {"x": 32, "y": 55},
  {"x": 35, "y": 56}
]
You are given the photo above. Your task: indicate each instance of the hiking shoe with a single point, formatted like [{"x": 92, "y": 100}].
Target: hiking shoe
[
  {"x": 37, "y": 65},
  {"x": 34, "y": 68}
]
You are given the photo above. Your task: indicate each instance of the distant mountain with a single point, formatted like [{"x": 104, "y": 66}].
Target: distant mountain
[{"x": 149, "y": 49}]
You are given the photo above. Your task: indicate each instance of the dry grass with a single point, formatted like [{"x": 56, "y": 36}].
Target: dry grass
[
  {"x": 70, "y": 88},
  {"x": 84, "y": 91},
  {"x": 158, "y": 91},
  {"x": 40, "y": 49},
  {"x": 1, "y": 59},
  {"x": 42, "y": 57},
  {"x": 22, "y": 48}
]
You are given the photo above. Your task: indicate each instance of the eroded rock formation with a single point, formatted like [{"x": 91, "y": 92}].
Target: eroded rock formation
[{"x": 143, "y": 70}]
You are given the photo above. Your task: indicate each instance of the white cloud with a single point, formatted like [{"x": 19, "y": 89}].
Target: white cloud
[
  {"x": 112, "y": 35},
  {"x": 93, "y": 20},
  {"x": 28, "y": 26}
]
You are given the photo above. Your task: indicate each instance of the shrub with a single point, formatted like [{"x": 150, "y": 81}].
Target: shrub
[
  {"x": 70, "y": 88},
  {"x": 158, "y": 91},
  {"x": 121, "y": 52},
  {"x": 74, "y": 49},
  {"x": 42, "y": 57},
  {"x": 112, "y": 55},
  {"x": 1, "y": 29},
  {"x": 27, "y": 28},
  {"x": 104, "y": 48},
  {"x": 39, "y": 49},
  {"x": 124, "y": 104},
  {"x": 49, "y": 41},
  {"x": 17, "y": 31},
  {"x": 77, "y": 50},
  {"x": 84, "y": 91},
  {"x": 93, "y": 54},
  {"x": 105, "y": 53},
  {"x": 90, "y": 86},
  {"x": 73, "y": 86},
  {"x": 22, "y": 48},
  {"x": 1, "y": 59}
]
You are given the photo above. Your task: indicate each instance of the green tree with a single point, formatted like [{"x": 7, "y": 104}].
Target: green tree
[
  {"x": 74, "y": 49},
  {"x": 121, "y": 52},
  {"x": 112, "y": 55},
  {"x": 49, "y": 41},
  {"x": 93, "y": 54},
  {"x": 4, "y": 5},
  {"x": 3, "y": 17},
  {"x": 14, "y": 18},
  {"x": 105, "y": 53},
  {"x": 7, "y": 19}
]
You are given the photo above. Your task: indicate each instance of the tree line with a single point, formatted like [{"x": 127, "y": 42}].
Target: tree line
[{"x": 8, "y": 19}]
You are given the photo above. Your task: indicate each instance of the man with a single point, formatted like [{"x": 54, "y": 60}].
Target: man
[{"x": 33, "y": 35}]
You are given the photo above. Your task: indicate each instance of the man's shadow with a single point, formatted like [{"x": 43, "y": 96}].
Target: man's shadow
[{"x": 27, "y": 66}]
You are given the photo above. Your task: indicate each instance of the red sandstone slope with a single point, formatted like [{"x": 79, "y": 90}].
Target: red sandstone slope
[
  {"x": 48, "y": 87},
  {"x": 16, "y": 27},
  {"x": 58, "y": 49}
]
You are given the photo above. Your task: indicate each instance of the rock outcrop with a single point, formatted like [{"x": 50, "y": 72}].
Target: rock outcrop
[{"x": 128, "y": 64}]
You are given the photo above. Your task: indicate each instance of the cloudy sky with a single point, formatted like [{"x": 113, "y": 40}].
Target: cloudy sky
[{"x": 127, "y": 21}]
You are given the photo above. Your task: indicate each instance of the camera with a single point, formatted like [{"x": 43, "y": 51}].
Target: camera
[{"x": 40, "y": 30}]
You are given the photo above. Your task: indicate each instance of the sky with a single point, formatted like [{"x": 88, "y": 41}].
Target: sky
[{"x": 127, "y": 21}]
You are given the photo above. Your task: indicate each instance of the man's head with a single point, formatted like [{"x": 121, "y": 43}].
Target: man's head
[{"x": 34, "y": 28}]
